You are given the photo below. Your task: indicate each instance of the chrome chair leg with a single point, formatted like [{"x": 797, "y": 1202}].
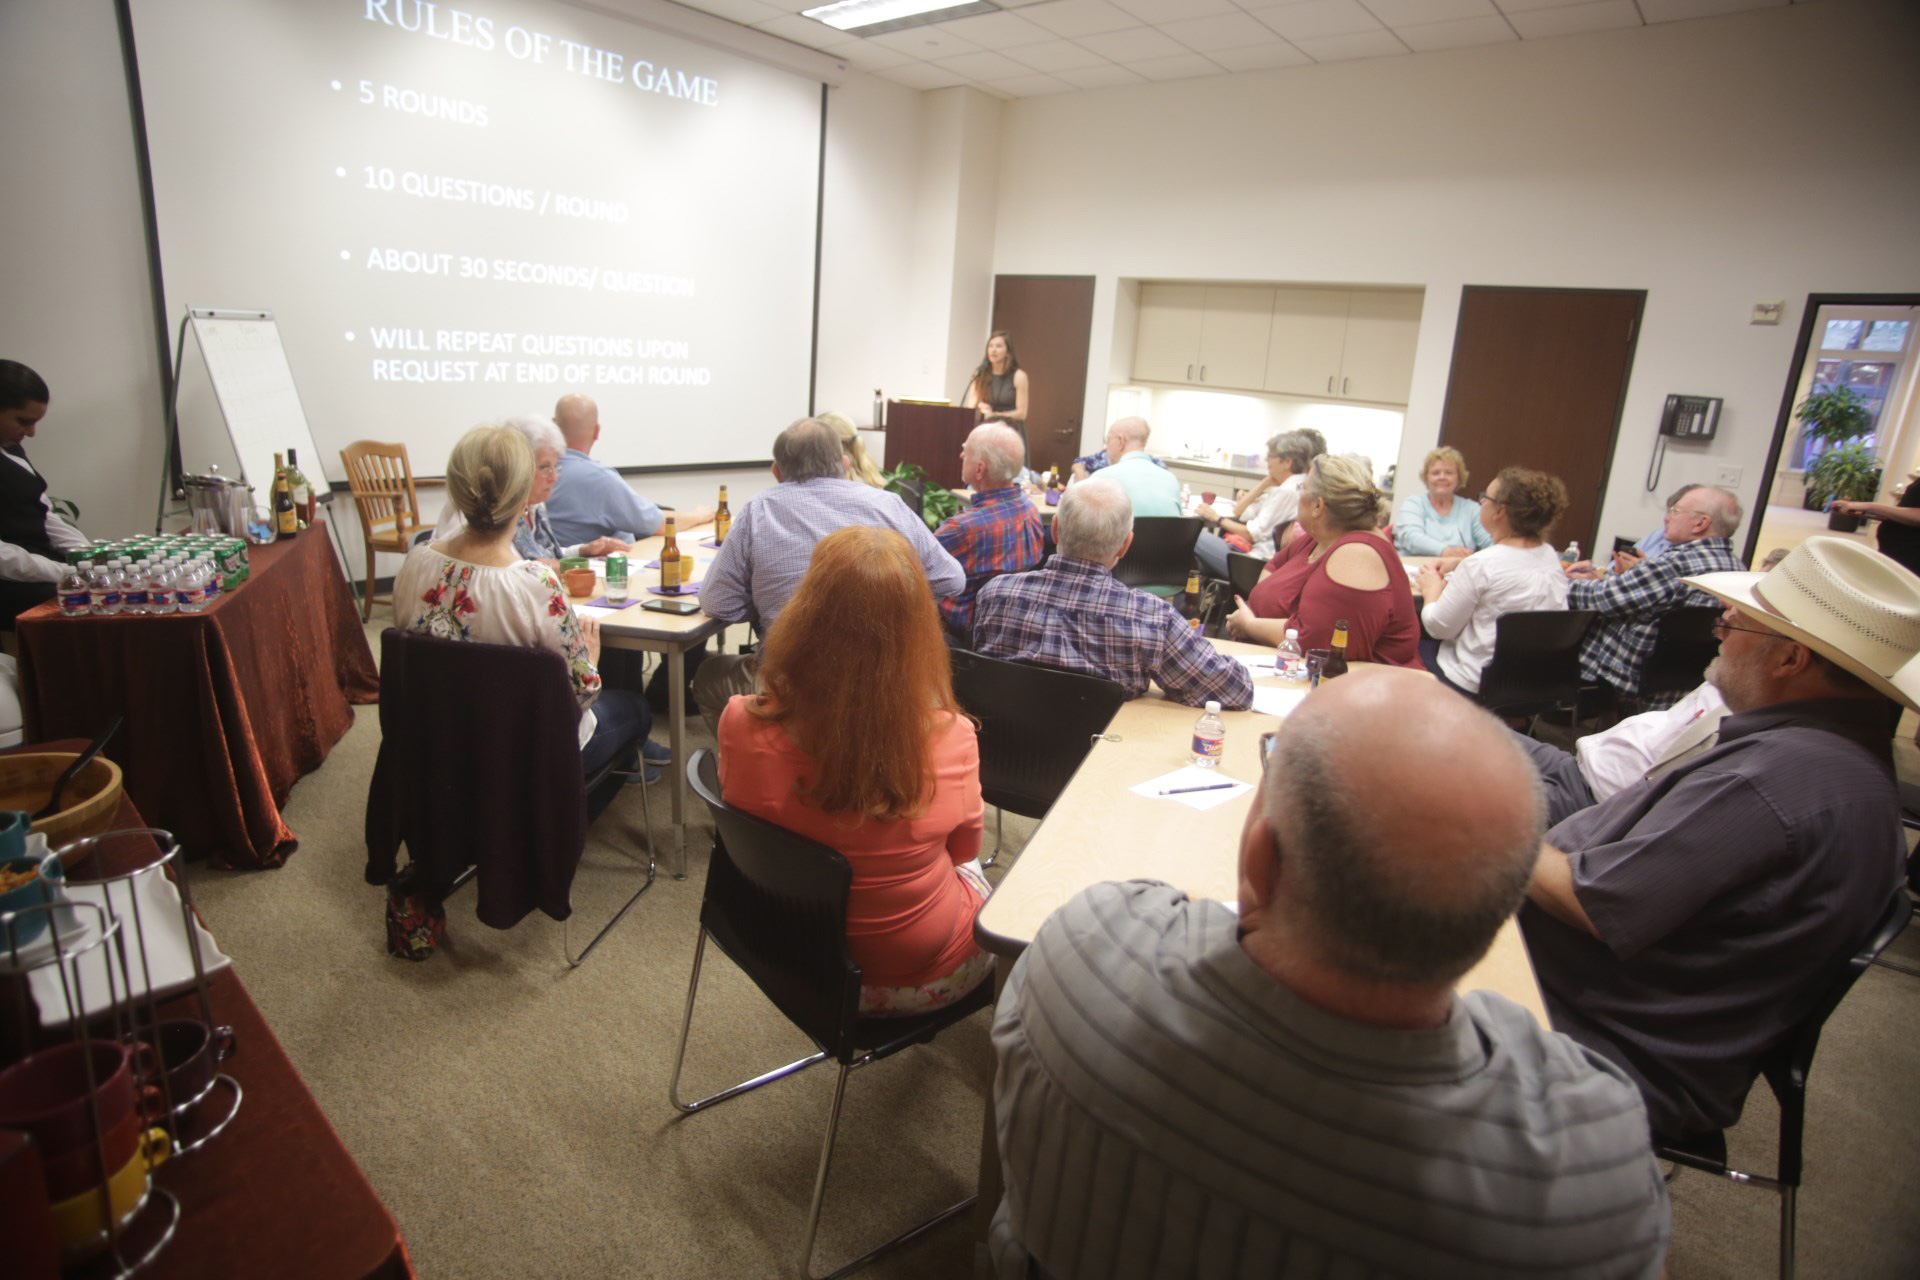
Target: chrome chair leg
[
  {"x": 680, "y": 1054},
  {"x": 566, "y": 929},
  {"x": 999, "y": 836},
  {"x": 1787, "y": 1195}
]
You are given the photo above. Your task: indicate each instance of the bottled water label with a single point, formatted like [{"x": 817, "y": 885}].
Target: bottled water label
[
  {"x": 76, "y": 602},
  {"x": 1207, "y": 749}
]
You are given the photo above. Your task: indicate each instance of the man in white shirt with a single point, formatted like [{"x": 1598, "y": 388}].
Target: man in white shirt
[{"x": 34, "y": 542}]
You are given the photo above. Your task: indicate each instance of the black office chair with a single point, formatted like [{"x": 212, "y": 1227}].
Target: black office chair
[
  {"x": 1535, "y": 666},
  {"x": 1786, "y": 1071},
  {"x": 1162, "y": 552},
  {"x": 437, "y": 784},
  {"x": 776, "y": 905},
  {"x": 1036, "y": 726},
  {"x": 1682, "y": 648}
]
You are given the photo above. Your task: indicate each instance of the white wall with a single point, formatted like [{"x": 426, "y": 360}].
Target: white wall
[{"x": 1708, "y": 163}]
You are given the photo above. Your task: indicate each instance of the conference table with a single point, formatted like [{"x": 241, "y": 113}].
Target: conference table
[
  {"x": 225, "y": 710},
  {"x": 1099, "y": 830},
  {"x": 671, "y": 635}
]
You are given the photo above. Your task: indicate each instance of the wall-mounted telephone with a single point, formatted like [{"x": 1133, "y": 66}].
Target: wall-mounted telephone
[{"x": 1690, "y": 417}]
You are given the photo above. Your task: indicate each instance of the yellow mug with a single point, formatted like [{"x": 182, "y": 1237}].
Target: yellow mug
[{"x": 77, "y": 1221}]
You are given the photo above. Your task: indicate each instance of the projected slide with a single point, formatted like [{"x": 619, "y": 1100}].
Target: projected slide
[{"x": 459, "y": 212}]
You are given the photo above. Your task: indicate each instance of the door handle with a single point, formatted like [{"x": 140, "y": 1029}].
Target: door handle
[
  {"x": 1203, "y": 373},
  {"x": 1068, "y": 431},
  {"x": 1329, "y": 384},
  {"x": 1189, "y": 373}
]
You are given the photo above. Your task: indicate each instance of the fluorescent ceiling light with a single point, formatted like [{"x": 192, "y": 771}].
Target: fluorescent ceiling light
[{"x": 877, "y": 17}]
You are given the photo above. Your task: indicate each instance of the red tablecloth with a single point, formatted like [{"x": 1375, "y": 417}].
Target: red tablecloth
[{"x": 225, "y": 710}]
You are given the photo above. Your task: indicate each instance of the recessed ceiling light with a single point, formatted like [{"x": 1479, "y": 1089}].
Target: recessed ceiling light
[{"x": 877, "y": 17}]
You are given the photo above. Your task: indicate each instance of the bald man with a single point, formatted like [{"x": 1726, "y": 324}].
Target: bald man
[
  {"x": 1298, "y": 1089},
  {"x": 591, "y": 500},
  {"x": 999, "y": 532}
]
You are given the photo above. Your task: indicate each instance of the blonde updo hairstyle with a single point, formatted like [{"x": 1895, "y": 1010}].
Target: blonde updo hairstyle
[
  {"x": 1344, "y": 483},
  {"x": 490, "y": 477}
]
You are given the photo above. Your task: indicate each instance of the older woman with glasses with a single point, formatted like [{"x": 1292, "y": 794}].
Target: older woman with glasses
[
  {"x": 1269, "y": 506},
  {"x": 1518, "y": 572},
  {"x": 533, "y": 537}
]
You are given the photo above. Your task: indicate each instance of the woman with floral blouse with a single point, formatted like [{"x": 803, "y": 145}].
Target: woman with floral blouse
[{"x": 475, "y": 586}]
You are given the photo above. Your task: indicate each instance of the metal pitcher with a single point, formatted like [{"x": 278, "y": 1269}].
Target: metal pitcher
[{"x": 217, "y": 503}]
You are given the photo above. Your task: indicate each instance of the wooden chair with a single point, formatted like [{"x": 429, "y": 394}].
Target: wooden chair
[{"x": 382, "y": 483}]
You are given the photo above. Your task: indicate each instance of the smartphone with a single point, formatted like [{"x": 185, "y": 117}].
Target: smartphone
[
  {"x": 1625, "y": 544},
  {"x": 666, "y": 605}
]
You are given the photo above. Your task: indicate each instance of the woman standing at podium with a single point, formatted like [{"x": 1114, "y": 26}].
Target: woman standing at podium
[{"x": 998, "y": 391}]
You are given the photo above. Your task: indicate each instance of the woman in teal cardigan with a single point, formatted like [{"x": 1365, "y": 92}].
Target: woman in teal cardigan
[{"x": 1440, "y": 522}]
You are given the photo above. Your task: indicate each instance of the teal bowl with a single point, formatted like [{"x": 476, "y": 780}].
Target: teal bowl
[{"x": 42, "y": 890}]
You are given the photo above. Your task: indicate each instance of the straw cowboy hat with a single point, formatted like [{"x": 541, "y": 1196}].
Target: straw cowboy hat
[{"x": 1844, "y": 601}]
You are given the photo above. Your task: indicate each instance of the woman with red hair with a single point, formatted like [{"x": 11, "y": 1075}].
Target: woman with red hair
[{"x": 856, "y": 741}]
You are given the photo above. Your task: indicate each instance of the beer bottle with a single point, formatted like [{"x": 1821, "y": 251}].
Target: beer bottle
[
  {"x": 1190, "y": 601},
  {"x": 285, "y": 522},
  {"x": 1337, "y": 662},
  {"x": 722, "y": 519},
  {"x": 671, "y": 573}
]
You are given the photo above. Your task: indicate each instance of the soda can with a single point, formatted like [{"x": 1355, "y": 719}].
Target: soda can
[{"x": 616, "y": 578}]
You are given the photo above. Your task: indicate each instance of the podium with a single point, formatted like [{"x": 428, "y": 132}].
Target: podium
[{"x": 929, "y": 435}]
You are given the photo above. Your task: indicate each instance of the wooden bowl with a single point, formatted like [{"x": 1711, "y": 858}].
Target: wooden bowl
[{"x": 91, "y": 800}]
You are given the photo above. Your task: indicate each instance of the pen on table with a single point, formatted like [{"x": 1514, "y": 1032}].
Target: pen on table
[{"x": 1211, "y": 786}]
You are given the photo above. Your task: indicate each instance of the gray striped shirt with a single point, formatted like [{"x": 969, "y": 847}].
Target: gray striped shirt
[{"x": 1165, "y": 1108}]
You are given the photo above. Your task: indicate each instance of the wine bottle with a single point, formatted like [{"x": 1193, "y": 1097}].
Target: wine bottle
[{"x": 285, "y": 522}]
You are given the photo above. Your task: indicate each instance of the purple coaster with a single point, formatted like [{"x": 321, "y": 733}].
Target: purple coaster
[
  {"x": 601, "y": 602},
  {"x": 1053, "y": 497},
  {"x": 709, "y": 544},
  {"x": 651, "y": 564},
  {"x": 684, "y": 589}
]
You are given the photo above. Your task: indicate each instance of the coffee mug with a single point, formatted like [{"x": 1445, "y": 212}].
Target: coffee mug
[
  {"x": 14, "y": 825},
  {"x": 1208, "y": 497},
  {"x": 46, "y": 1095},
  {"x": 87, "y": 1165},
  {"x": 78, "y": 1222},
  {"x": 191, "y": 1054}
]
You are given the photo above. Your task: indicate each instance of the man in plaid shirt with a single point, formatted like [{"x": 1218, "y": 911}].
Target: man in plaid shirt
[
  {"x": 1075, "y": 614},
  {"x": 1699, "y": 524},
  {"x": 1000, "y": 532}
]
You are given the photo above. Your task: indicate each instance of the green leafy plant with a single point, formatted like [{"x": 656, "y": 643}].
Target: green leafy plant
[
  {"x": 1835, "y": 415},
  {"x": 66, "y": 508},
  {"x": 1849, "y": 472},
  {"x": 937, "y": 503}
]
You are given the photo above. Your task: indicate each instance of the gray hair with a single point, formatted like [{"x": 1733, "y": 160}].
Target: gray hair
[
  {"x": 1363, "y": 914},
  {"x": 1295, "y": 448},
  {"x": 1093, "y": 520},
  {"x": 540, "y": 434},
  {"x": 1726, "y": 513},
  {"x": 809, "y": 449},
  {"x": 1001, "y": 447}
]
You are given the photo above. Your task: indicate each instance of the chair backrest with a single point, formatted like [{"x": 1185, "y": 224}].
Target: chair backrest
[
  {"x": 1682, "y": 648},
  {"x": 1162, "y": 551},
  {"x": 1536, "y": 660},
  {"x": 1787, "y": 1066},
  {"x": 912, "y": 492},
  {"x": 1036, "y": 726},
  {"x": 776, "y": 903},
  {"x": 1243, "y": 572},
  {"x": 382, "y": 484}
]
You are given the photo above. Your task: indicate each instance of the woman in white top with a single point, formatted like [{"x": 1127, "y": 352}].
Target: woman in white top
[
  {"x": 1269, "y": 506},
  {"x": 1518, "y": 572},
  {"x": 474, "y": 586}
]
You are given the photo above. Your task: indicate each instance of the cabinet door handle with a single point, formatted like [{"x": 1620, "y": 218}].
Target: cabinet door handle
[
  {"x": 1343, "y": 385},
  {"x": 1203, "y": 373},
  {"x": 1189, "y": 373},
  {"x": 1329, "y": 384}
]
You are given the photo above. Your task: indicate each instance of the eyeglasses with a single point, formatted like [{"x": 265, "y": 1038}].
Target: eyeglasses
[
  {"x": 1721, "y": 626},
  {"x": 1486, "y": 495},
  {"x": 1682, "y": 511},
  {"x": 548, "y": 468}
]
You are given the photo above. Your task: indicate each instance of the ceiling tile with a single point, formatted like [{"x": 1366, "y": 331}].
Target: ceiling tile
[
  {"x": 1317, "y": 18},
  {"x": 983, "y": 66},
  {"x": 1260, "y": 57},
  {"x": 926, "y": 42},
  {"x": 1136, "y": 45},
  {"x": 921, "y": 75},
  {"x": 1055, "y": 55},
  {"x": 1680, "y": 10},
  {"x": 1080, "y": 17},
  {"x": 1183, "y": 66},
  {"x": 1159, "y": 12},
  {"x": 1527, "y": 6},
  {"x": 868, "y": 56},
  {"x": 1221, "y": 31},
  {"x": 1099, "y": 77},
  {"x": 1410, "y": 13},
  {"x": 996, "y": 30},
  {"x": 745, "y": 12},
  {"x": 1429, "y": 36},
  {"x": 814, "y": 35},
  {"x": 1573, "y": 20},
  {"x": 1029, "y": 86},
  {"x": 1361, "y": 44}
]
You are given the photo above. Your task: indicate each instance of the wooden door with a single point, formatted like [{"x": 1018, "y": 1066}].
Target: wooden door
[
  {"x": 1050, "y": 319},
  {"x": 1383, "y": 328},
  {"x": 1538, "y": 380},
  {"x": 1167, "y": 346},
  {"x": 1309, "y": 331},
  {"x": 1233, "y": 337}
]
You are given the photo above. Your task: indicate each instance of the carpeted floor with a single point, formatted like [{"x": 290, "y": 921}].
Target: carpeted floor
[{"x": 513, "y": 1114}]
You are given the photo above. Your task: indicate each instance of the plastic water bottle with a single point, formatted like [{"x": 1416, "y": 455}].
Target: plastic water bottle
[
  {"x": 1291, "y": 663},
  {"x": 162, "y": 594},
  {"x": 1571, "y": 555},
  {"x": 1186, "y": 500},
  {"x": 1209, "y": 738},
  {"x": 133, "y": 586},
  {"x": 106, "y": 590},
  {"x": 76, "y": 596},
  {"x": 190, "y": 586}
]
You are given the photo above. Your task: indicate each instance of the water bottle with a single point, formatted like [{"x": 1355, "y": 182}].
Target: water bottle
[
  {"x": 133, "y": 586},
  {"x": 1571, "y": 555},
  {"x": 1186, "y": 500},
  {"x": 76, "y": 596},
  {"x": 162, "y": 593},
  {"x": 190, "y": 586},
  {"x": 1209, "y": 738},
  {"x": 1291, "y": 663},
  {"x": 215, "y": 584},
  {"x": 105, "y": 584}
]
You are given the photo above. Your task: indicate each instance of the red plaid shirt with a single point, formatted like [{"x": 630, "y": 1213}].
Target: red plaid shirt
[{"x": 999, "y": 533}]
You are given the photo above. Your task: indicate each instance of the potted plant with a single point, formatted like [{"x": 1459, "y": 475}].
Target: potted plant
[
  {"x": 931, "y": 502},
  {"x": 1831, "y": 417},
  {"x": 1845, "y": 472}
]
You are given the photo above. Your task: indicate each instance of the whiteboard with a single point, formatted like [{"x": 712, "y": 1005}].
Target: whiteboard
[{"x": 253, "y": 382}]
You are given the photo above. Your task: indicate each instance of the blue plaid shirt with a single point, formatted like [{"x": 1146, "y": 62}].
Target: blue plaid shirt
[
  {"x": 1630, "y": 605},
  {"x": 1075, "y": 614},
  {"x": 999, "y": 533}
]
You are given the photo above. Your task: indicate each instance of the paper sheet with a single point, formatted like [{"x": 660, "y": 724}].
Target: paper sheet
[
  {"x": 1193, "y": 776},
  {"x": 1270, "y": 700}
]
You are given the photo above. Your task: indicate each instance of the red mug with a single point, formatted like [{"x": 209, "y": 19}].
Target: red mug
[
  {"x": 46, "y": 1095},
  {"x": 191, "y": 1054},
  {"x": 1208, "y": 497}
]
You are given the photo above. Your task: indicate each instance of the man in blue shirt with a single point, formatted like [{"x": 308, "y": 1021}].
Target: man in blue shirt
[
  {"x": 591, "y": 500},
  {"x": 1152, "y": 488}
]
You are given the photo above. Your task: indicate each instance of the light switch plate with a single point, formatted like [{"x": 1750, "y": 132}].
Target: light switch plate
[
  {"x": 1727, "y": 477},
  {"x": 1768, "y": 311}
]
